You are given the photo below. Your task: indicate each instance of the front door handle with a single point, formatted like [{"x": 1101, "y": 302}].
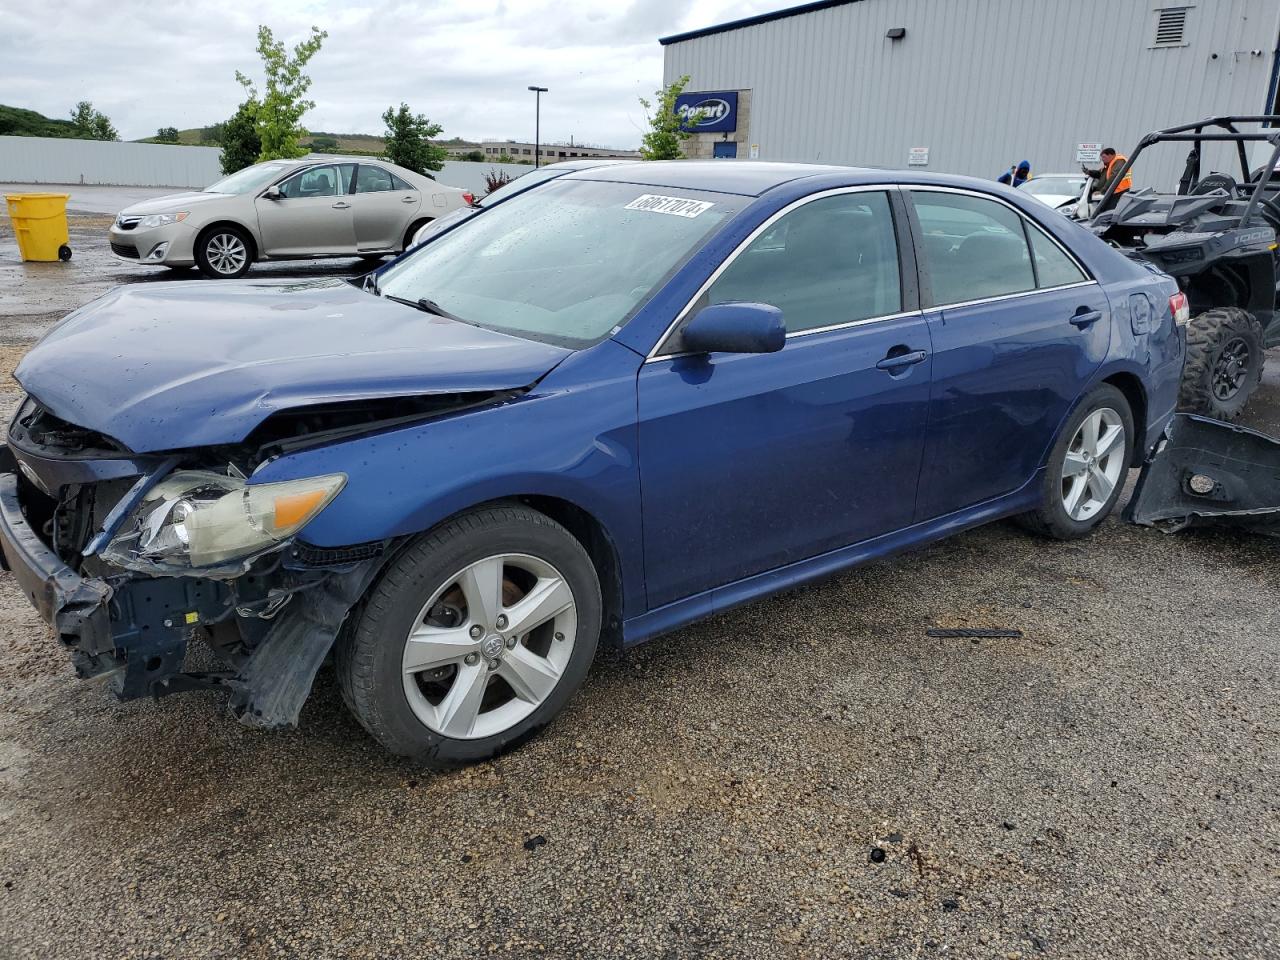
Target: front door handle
[
  {"x": 896, "y": 360},
  {"x": 1085, "y": 317},
  {"x": 340, "y": 205}
]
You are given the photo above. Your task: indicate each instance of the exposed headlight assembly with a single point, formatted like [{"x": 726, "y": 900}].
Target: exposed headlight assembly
[
  {"x": 162, "y": 219},
  {"x": 197, "y": 520}
]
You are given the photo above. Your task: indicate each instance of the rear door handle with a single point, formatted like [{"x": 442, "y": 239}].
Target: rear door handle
[
  {"x": 1084, "y": 318},
  {"x": 902, "y": 360},
  {"x": 408, "y": 200},
  {"x": 341, "y": 206}
]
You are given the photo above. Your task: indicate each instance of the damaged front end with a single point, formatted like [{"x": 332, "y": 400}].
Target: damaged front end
[
  {"x": 1207, "y": 472},
  {"x": 129, "y": 556}
]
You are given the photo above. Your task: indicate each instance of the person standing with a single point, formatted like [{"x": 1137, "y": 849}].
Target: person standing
[
  {"x": 1016, "y": 175},
  {"x": 1112, "y": 164}
]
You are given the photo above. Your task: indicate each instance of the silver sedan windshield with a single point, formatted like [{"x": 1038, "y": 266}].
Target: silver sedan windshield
[
  {"x": 567, "y": 263},
  {"x": 250, "y": 179}
]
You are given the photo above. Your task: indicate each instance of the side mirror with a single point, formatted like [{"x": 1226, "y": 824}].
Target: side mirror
[
  {"x": 735, "y": 328},
  {"x": 273, "y": 193}
]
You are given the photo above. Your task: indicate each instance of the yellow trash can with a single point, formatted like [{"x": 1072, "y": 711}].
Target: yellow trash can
[{"x": 40, "y": 222}]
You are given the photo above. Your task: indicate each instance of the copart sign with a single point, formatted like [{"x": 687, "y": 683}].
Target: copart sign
[{"x": 717, "y": 111}]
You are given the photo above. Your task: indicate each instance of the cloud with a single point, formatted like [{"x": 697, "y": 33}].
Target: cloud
[{"x": 464, "y": 63}]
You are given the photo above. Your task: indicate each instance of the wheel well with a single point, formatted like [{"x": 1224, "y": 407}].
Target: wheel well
[
  {"x": 248, "y": 235},
  {"x": 1131, "y": 387},
  {"x": 589, "y": 532},
  {"x": 414, "y": 228},
  {"x": 1228, "y": 285}
]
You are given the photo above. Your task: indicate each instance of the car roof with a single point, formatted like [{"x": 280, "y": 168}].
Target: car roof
[{"x": 748, "y": 177}]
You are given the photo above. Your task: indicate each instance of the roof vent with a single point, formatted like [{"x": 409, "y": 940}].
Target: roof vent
[{"x": 1171, "y": 26}]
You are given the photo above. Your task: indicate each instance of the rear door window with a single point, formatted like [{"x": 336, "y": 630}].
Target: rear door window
[
  {"x": 1054, "y": 268},
  {"x": 371, "y": 179},
  {"x": 972, "y": 248}
]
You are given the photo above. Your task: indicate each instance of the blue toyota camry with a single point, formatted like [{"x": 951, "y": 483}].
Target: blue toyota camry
[{"x": 609, "y": 406}]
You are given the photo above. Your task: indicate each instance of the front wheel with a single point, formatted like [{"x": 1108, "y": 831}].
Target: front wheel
[
  {"x": 1224, "y": 363},
  {"x": 224, "y": 252},
  {"x": 474, "y": 639},
  {"x": 1086, "y": 468}
]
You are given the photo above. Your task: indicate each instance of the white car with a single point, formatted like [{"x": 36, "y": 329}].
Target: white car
[
  {"x": 319, "y": 206},
  {"x": 1055, "y": 189}
]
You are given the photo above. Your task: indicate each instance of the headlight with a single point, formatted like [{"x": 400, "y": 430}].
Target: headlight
[
  {"x": 162, "y": 219},
  {"x": 198, "y": 519}
]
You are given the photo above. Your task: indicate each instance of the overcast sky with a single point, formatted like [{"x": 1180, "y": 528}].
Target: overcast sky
[{"x": 464, "y": 63}]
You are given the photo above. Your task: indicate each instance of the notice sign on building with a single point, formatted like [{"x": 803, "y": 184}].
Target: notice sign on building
[
  {"x": 918, "y": 157},
  {"x": 1088, "y": 152}
]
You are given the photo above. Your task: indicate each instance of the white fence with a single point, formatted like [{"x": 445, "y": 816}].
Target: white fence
[{"x": 54, "y": 160}]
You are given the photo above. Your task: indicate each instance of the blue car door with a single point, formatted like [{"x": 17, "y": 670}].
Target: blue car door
[
  {"x": 1020, "y": 331},
  {"x": 752, "y": 461}
]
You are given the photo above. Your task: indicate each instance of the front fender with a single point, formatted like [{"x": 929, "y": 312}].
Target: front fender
[{"x": 572, "y": 437}]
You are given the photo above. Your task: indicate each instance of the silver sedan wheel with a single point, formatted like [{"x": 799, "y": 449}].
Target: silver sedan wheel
[
  {"x": 489, "y": 646},
  {"x": 1093, "y": 464},
  {"x": 226, "y": 253}
]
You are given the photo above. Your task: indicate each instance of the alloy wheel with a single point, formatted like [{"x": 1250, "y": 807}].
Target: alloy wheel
[
  {"x": 1231, "y": 368},
  {"x": 1093, "y": 464},
  {"x": 226, "y": 253},
  {"x": 489, "y": 646}
]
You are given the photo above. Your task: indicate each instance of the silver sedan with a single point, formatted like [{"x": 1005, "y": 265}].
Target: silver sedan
[{"x": 283, "y": 210}]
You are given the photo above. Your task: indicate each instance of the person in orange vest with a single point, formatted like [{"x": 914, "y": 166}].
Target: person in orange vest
[{"x": 1112, "y": 164}]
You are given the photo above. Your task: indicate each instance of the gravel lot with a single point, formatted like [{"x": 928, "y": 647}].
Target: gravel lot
[{"x": 1104, "y": 787}]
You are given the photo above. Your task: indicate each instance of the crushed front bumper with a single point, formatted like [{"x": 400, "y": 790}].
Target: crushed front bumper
[{"x": 1207, "y": 472}]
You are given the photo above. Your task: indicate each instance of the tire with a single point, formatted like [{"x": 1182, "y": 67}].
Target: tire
[
  {"x": 1108, "y": 407},
  {"x": 439, "y": 699},
  {"x": 412, "y": 231},
  {"x": 224, "y": 252},
  {"x": 1224, "y": 363}
]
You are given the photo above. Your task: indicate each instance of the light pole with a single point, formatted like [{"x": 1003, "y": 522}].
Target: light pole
[{"x": 537, "y": 122}]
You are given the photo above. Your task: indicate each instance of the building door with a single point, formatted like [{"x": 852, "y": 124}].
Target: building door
[{"x": 726, "y": 150}]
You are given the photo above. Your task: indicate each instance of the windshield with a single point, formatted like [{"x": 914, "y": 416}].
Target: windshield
[
  {"x": 1064, "y": 186},
  {"x": 566, "y": 263},
  {"x": 250, "y": 179}
]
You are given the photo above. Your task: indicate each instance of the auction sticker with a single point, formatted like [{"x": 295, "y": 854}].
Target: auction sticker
[{"x": 675, "y": 206}]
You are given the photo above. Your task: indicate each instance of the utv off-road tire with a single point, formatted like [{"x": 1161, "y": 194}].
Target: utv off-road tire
[
  {"x": 421, "y": 609},
  {"x": 1106, "y": 408},
  {"x": 1224, "y": 363}
]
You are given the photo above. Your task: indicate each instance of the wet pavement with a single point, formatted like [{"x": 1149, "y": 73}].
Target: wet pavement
[{"x": 811, "y": 775}]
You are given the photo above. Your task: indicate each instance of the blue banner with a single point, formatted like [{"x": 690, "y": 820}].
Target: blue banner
[{"x": 719, "y": 110}]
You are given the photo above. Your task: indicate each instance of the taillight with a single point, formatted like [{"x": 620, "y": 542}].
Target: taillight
[
  {"x": 469, "y": 197},
  {"x": 1180, "y": 308}
]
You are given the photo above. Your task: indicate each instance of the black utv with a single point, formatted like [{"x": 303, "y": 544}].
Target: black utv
[{"x": 1217, "y": 236}]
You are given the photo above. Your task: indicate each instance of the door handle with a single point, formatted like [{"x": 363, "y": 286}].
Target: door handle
[
  {"x": 1084, "y": 317},
  {"x": 894, "y": 361},
  {"x": 340, "y": 205},
  {"x": 408, "y": 200}
]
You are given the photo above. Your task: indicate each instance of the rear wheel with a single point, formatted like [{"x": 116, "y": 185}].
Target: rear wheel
[
  {"x": 1086, "y": 467},
  {"x": 1224, "y": 363},
  {"x": 412, "y": 231},
  {"x": 474, "y": 639},
  {"x": 224, "y": 252}
]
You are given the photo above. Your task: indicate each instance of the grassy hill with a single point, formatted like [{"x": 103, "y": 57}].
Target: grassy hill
[{"x": 17, "y": 122}]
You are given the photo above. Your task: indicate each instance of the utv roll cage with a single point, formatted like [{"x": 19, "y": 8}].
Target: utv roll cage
[{"x": 1218, "y": 129}]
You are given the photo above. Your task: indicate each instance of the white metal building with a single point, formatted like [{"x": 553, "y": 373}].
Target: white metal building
[{"x": 971, "y": 86}]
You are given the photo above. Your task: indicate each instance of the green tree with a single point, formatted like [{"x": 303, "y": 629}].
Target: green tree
[
  {"x": 667, "y": 131},
  {"x": 240, "y": 142},
  {"x": 90, "y": 124},
  {"x": 167, "y": 135},
  {"x": 213, "y": 133},
  {"x": 505, "y": 158},
  {"x": 475, "y": 156},
  {"x": 409, "y": 137},
  {"x": 283, "y": 100}
]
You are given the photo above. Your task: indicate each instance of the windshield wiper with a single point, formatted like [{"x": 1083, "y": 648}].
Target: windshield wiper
[{"x": 426, "y": 306}]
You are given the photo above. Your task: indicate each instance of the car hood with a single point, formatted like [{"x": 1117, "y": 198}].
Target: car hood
[
  {"x": 172, "y": 202},
  {"x": 165, "y": 366}
]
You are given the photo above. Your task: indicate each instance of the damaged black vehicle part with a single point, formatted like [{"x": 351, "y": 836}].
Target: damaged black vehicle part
[{"x": 1209, "y": 473}]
